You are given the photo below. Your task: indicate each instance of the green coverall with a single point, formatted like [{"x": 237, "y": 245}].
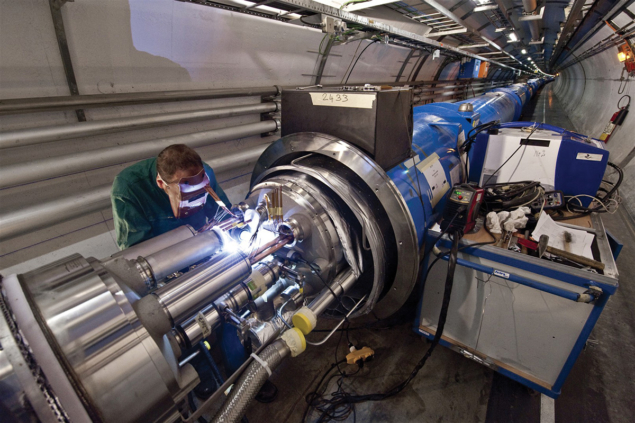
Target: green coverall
[{"x": 141, "y": 210}]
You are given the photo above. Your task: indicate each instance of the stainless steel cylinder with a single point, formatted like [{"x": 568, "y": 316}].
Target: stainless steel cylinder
[
  {"x": 90, "y": 329},
  {"x": 42, "y": 104},
  {"x": 194, "y": 329},
  {"x": 188, "y": 294},
  {"x": 340, "y": 285},
  {"x": 178, "y": 256},
  {"x": 157, "y": 243}
]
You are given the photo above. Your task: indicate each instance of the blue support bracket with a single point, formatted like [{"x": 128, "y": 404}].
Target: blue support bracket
[{"x": 615, "y": 244}]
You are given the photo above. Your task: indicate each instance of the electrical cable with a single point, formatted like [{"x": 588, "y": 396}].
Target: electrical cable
[
  {"x": 620, "y": 101},
  {"x": 351, "y": 62},
  {"x": 332, "y": 408},
  {"x": 467, "y": 145},
  {"x": 423, "y": 207},
  {"x": 316, "y": 270},
  {"x": 623, "y": 82},
  {"x": 607, "y": 198},
  {"x": 512, "y": 155},
  {"x": 356, "y": 60},
  {"x": 308, "y": 23},
  {"x": 341, "y": 404}
]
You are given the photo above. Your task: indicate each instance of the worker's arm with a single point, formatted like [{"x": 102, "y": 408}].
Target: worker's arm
[{"x": 131, "y": 226}]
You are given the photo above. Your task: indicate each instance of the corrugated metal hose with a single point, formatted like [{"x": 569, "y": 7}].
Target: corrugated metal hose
[{"x": 248, "y": 385}]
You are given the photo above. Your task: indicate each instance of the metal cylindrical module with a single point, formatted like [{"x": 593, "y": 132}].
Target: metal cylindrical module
[
  {"x": 188, "y": 294},
  {"x": 518, "y": 94},
  {"x": 87, "y": 340},
  {"x": 42, "y": 214},
  {"x": 340, "y": 285},
  {"x": 194, "y": 327},
  {"x": 157, "y": 243},
  {"x": 31, "y": 136},
  {"x": 178, "y": 256},
  {"x": 435, "y": 140}
]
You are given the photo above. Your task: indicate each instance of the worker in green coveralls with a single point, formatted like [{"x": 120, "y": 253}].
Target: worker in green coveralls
[{"x": 157, "y": 195}]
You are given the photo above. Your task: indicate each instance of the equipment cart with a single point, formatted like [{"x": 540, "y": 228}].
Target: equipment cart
[{"x": 525, "y": 317}]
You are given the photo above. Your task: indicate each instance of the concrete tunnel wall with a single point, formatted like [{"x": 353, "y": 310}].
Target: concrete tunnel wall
[
  {"x": 121, "y": 46},
  {"x": 589, "y": 92}
]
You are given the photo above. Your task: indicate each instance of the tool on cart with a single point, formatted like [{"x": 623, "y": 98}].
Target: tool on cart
[
  {"x": 552, "y": 200},
  {"x": 542, "y": 247},
  {"x": 462, "y": 209}
]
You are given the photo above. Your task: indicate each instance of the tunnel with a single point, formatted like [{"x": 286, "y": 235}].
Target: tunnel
[{"x": 317, "y": 210}]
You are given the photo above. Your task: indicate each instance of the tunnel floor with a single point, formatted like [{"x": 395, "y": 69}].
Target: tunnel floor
[{"x": 451, "y": 388}]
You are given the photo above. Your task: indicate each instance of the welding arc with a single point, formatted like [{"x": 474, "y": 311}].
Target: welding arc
[{"x": 217, "y": 199}]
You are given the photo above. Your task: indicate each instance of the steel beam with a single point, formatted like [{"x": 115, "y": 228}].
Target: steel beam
[
  {"x": 62, "y": 43},
  {"x": 405, "y": 63},
  {"x": 593, "y": 20},
  {"x": 375, "y": 24}
]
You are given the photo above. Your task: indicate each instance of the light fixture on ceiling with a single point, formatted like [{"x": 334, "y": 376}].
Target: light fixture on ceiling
[
  {"x": 351, "y": 6},
  {"x": 523, "y": 51},
  {"x": 513, "y": 37}
]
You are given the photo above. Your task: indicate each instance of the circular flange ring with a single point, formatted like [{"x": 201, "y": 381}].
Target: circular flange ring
[{"x": 292, "y": 146}]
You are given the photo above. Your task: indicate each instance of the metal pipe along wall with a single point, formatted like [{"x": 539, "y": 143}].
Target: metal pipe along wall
[
  {"x": 18, "y": 222},
  {"x": 37, "y": 170},
  {"x": 41, "y": 215},
  {"x": 46, "y": 104},
  {"x": 30, "y": 136}
]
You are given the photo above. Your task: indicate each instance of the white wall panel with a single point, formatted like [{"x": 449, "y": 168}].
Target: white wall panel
[{"x": 589, "y": 92}]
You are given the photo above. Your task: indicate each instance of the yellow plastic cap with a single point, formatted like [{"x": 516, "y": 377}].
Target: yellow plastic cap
[
  {"x": 302, "y": 323},
  {"x": 302, "y": 338},
  {"x": 294, "y": 338},
  {"x": 305, "y": 320}
]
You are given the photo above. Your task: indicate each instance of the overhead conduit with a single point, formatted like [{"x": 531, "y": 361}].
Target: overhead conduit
[
  {"x": 530, "y": 6},
  {"x": 59, "y": 103},
  {"x": 38, "y": 170}
]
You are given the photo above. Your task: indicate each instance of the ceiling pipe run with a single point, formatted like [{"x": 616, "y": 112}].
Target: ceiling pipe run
[{"x": 531, "y": 6}]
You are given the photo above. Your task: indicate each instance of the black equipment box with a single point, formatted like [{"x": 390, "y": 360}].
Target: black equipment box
[{"x": 375, "y": 120}]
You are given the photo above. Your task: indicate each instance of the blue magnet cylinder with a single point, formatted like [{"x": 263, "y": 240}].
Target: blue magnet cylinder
[
  {"x": 520, "y": 95},
  {"x": 439, "y": 129}
]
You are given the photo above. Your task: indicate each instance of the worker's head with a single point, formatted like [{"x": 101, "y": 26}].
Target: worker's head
[
  {"x": 175, "y": 162},
  {"x": 181, "y": 175}
]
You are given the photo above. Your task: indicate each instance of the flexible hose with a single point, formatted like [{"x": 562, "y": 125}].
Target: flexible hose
[{"x": 250, "y": 382}]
